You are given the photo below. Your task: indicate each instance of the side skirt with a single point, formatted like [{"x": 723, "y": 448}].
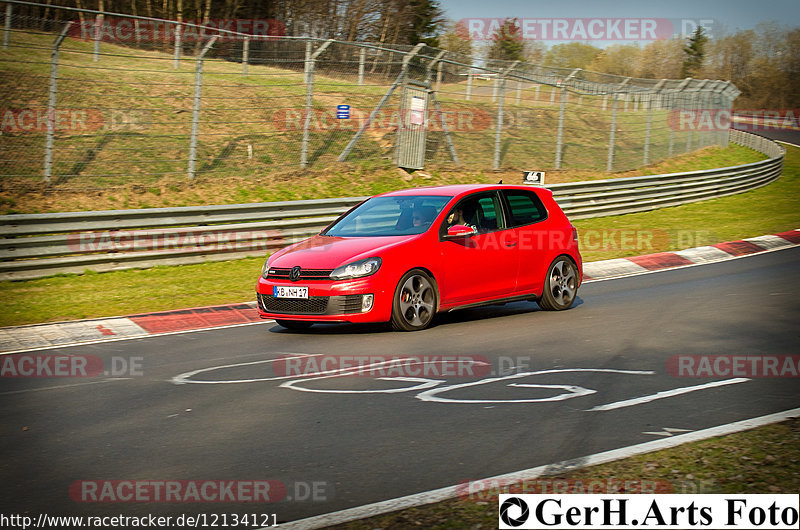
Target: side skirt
[{"x": 532, "y": 297}]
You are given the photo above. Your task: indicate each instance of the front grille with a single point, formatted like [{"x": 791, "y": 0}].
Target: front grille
[
  {"x": 314, "y": 305},
  {"x": 305, "y": 274},
  {"x": 351, "y": 303}
]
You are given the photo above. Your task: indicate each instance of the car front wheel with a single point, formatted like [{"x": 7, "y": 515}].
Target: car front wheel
[
  {"x": 560, "y": 286},
  {"x": 415, "y": 301}
]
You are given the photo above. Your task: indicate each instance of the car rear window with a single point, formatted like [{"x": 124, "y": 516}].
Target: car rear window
[{"x": 526, "y": 207}]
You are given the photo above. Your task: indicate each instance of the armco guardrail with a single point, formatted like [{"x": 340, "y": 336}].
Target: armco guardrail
[{"x": 38, "y": 245}]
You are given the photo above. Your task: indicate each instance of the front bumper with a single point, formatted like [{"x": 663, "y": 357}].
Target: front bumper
[{"x": 328, "y": 301}]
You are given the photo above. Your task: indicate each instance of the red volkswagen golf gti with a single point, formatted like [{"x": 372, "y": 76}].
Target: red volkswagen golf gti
[{"x": 403, "y": 256}]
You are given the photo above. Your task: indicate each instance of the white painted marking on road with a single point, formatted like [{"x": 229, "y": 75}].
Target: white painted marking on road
[
  {"x": 572, "y": 390},
  {"x": 666, "y": 394},
  {"x": 424, "y": 383},
  {"x": 668, "y": 431},
  {"x": 58, "y": 387},
  {"x": 432, "y": 394},
  {"x": 183, "y": 378},
  {"x": 451, "y": 492}
]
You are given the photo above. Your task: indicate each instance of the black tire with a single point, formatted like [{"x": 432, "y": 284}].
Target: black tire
[
  {"x": 415, "y": 301},
  {"x": 560, "y": 285},
  {"x": 294, "y": 324}
]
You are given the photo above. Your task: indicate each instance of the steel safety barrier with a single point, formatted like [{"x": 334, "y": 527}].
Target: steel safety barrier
[{"x": 38, "y": 245}]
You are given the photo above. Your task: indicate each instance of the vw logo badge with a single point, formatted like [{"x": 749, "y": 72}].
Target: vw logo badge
[{"x": 294, "y": 274}]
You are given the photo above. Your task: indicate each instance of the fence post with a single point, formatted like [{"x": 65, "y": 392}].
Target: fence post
[
  {"x": 310, "y": 60},
  {"x": 560, "y": 134},
  {"x": 177, "y": 58},
  {"x": 51, "y": 104},
  {"x": 469, "y": 84},
  {"x": 429, "y": 70},
  {"x": 647, "y": 129},
  {"x": 519, "y": 91},
  {"x": 610, "y": 163},
  {"x": 400, "y": 77},
  {"x": 7, "y": 26},
  {"x": 245, "y": 54},
  {"x": 198, "y": 86},
  {"x": 98, "y": 34},
  {"x": 361, "y": 57},
  {"x": 499, "y": 132}
]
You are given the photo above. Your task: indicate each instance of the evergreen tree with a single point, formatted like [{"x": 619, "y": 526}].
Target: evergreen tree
[
  {"x": 425, "y": 23},
  {"x": 694, "y": 53},
  {"x": 507, "y": 43}
]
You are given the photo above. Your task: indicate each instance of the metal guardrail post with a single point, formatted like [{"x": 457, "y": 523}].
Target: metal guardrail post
[
  {"x": 310, "y": 60},
  {"x": 7, "y": 30},
  {"x": 198, "y": 87},
  {"x": 51, "y": 104}
]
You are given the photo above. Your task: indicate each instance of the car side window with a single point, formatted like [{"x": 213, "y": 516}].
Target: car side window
[
  {"x": 481, "y": 212},
  {"x": 525, "y": 208}
]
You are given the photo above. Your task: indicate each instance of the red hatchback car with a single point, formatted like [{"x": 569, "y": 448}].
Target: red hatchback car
[{"x": 403, "y": 256}]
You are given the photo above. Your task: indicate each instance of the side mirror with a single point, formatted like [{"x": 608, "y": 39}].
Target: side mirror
[{"x": 460, "y": 231}]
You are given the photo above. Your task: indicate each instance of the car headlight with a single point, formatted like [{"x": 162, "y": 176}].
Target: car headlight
[
  {"x": 357, "y": 269},
  {"x": 265, "y": 269}
]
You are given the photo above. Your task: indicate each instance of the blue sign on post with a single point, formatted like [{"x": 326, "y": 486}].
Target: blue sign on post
[{"x": 343, "y": 112}]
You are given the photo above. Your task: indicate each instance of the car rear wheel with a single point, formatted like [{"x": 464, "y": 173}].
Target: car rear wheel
[
  {"x": 560, "y": 286},
  {"x": 415, "y": 301},
  {"x": 294, "y": 324}
]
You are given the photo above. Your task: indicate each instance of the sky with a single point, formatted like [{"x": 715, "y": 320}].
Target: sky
[{"x": 546, "y": 18}]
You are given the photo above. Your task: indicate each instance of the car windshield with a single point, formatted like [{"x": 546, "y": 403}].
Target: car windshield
[{"x": 390, "y": 216}]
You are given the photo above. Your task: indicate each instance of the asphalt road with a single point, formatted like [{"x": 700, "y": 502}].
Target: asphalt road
[
  {"x": 338, "y": 442},
  {"x": 783, "y": 135}
]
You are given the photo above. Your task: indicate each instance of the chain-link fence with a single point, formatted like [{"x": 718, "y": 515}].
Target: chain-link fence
[{"x": 97, "y": 100}]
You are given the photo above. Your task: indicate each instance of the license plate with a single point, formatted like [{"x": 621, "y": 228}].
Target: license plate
[{"x": 284, "y": 291}]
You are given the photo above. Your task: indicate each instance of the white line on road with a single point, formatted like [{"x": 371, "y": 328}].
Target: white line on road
[
  {"x": 451, "y": 492},
  {"x": 666, "y": 394}
]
